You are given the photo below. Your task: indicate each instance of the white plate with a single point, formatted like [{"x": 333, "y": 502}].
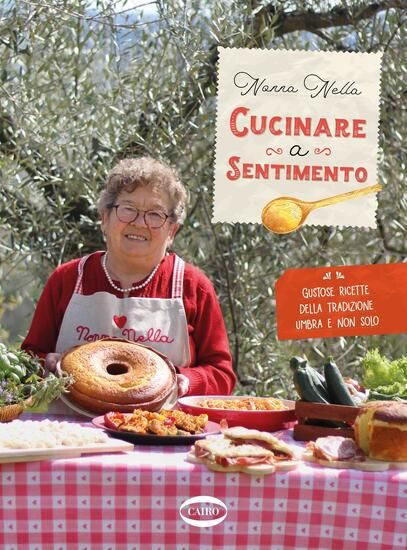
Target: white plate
[
  {"x": 75, "y": 407},
  {"x": 29, "y": 455}
]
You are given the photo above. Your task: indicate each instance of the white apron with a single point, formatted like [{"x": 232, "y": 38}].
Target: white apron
[{"x": 159, "y": 323}]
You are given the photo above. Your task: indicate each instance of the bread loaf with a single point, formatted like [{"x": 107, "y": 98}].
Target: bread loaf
[{"x": 381, "y": 430}]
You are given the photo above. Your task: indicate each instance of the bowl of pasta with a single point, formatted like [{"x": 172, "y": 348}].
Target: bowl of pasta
[{"x": 260, "y": 413}]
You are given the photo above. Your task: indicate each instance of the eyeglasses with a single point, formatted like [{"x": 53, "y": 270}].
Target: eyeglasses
[{"x": 152, "y": 218}]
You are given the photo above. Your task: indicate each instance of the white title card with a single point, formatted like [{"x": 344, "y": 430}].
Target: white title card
[{"x": 297, "y": 138}]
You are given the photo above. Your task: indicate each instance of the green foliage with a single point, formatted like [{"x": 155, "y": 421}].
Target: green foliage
[
  {"x": 385, "y": 376},
  {"x": 81, "y": 89},
  {"x": 22, "y": 381}
]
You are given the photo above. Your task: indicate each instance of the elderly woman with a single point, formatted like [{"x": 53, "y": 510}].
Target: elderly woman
[{"x": 136, "y": 289}]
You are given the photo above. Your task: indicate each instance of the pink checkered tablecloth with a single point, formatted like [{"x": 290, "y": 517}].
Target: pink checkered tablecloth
[{"x": 132, "y": 501}]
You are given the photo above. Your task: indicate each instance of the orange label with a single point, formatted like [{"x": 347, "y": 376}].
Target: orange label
[{"x": 324, "y": 302}]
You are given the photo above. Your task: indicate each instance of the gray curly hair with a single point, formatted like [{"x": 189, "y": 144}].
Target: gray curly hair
[{"x": 128, "y": 174}]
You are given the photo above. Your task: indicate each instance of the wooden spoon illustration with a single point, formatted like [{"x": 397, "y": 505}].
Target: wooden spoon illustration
[{"x": 286, "y": 214}]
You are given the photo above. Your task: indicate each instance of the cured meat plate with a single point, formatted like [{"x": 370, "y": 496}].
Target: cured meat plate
[{"x": 368, "y": 465}]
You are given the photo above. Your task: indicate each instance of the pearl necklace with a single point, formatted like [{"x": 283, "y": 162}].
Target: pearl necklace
[{"x": 130, "y": 289}]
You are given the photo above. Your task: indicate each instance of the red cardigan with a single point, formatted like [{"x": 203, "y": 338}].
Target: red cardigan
[{"x": 210, "y": 371}]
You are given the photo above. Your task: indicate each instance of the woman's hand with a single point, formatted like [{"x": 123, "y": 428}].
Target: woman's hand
[
  {"x": 183, "y": 384},
  {"x": 51, "y": 360}
]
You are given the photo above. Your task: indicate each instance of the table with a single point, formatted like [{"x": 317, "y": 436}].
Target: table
[{"x": 132, "y": 502}]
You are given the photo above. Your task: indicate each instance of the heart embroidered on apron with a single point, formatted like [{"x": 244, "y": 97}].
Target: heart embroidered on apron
[{"x": 119, "y": 321}]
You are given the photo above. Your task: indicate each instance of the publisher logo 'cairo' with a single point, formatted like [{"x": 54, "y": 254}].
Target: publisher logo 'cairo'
[{"x": 203, "y": 511}]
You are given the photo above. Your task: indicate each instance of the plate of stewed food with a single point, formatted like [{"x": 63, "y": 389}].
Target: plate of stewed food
[
  {"x": 164, "y": 427},
  {"x": 261, "y": 413}
]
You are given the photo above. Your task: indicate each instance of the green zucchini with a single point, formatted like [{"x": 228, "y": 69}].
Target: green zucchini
[
  {"x": 306, "y": 388},
  {"x": 297, "y": 362},
  {"x": 319, "y": 381},
  {"x": 337, "y": 389}
]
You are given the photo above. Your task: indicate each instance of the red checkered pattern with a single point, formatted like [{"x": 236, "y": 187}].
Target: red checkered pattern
[{"x": 132, "y": 501}]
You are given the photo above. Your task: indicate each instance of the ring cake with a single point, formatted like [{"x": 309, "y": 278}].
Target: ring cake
[
  {"x": 118, "y": 375},
  {"x": 381, "y": 430}
]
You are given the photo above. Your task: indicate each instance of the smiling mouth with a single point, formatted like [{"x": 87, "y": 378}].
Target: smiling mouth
[{"x": 136, "y": 237}]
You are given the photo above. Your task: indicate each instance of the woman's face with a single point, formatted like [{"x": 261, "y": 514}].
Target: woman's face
[{"x": 136, "y": 240}]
